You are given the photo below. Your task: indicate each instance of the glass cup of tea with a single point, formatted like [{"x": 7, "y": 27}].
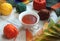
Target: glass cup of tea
[{"x": 29, "y": 20}]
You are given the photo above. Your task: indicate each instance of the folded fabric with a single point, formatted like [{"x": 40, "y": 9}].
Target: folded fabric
[
  {"x": 51, "y": 2},
  {"x": 58, "y": 12},
  {"x": 56, "y": 6}
]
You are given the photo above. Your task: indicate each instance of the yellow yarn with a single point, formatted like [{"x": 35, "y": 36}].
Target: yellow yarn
[
  {"x": 6, "y": 8},
  {"x": 2, "y": 1},
  {"x": 0, "y": 9}
]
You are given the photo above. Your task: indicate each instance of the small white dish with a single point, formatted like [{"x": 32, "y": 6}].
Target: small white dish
[
  {"x": 28, "y": 26},
  {"x": 21, "y": 15}
]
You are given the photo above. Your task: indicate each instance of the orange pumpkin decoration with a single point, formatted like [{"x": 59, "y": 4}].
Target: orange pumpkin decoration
[{"x": 10, "y": 31}]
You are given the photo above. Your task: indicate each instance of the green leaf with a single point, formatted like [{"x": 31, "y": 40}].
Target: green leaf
[
  {"x": 51, "y": 23},
  {"x": 58, "y": 25}
]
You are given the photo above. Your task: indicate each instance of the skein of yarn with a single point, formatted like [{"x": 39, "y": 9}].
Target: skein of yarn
[
  {"x": 10, "y": 31},
  {"x": 39, "y": 4},
  {"x": 6, "y": 9}
]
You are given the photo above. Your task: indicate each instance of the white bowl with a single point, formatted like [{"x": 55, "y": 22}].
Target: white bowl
[{"x": 26, "y": 13}]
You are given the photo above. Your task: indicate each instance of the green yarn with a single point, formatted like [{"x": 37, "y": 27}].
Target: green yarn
[
  {"x": 11, "y": 2},
  {"x": 20, "y": 7}
]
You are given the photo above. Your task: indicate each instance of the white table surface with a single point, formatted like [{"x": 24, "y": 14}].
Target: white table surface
[{"x": 13, "y": 19}]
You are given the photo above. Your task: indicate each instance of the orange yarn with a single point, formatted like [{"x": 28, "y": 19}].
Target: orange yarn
[{"x": 10, "y": 31}]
